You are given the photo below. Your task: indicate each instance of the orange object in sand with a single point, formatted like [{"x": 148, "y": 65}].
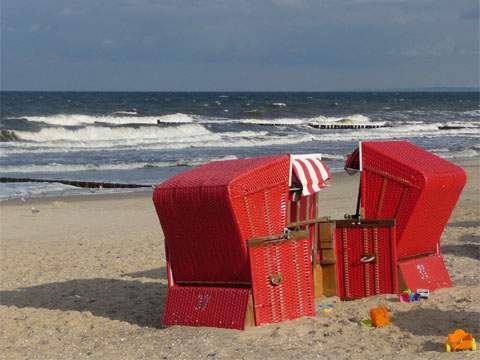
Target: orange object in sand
[
  {"x": 460, "y": 340},
  {"x": 379, "y": 316}
]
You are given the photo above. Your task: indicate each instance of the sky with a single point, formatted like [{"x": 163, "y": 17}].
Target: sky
[{"x": 251, "y": 45}]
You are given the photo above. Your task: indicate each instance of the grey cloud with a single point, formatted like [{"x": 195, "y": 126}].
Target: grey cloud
[{"x": 186, "y": 44}]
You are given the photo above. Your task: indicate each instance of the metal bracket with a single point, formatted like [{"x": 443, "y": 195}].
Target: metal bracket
[
  {"x": 276, "y": 279},
  {"x": 368, "y": 258}
]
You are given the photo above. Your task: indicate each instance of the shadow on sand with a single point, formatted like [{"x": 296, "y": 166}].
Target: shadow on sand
[
  {"x": 131, "y": 301},
  {"x": 472, "y": 223},
  {"x": 158, "y": 274},
  {"x": 436, "y": 322},
  {"x": 470, "y": 238},
  {"x": 465, "y": 250}
]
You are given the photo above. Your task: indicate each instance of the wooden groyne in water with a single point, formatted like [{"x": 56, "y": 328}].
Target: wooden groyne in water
[
  {"x": 273, "y": 123},
  {"x": 346, "y": 126}
]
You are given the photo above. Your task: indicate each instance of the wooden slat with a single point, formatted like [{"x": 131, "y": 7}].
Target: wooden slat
[
  {"x": 328, "y": 261},
  {"x": 250, "y": 314},
  {"x": 275, "y": 239},
  {"x": 308, "y": 222}
]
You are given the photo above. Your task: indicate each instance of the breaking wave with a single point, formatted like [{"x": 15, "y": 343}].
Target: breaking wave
[
  {"x": 117, "y": 118},
  {"x": 456, "y": 154},
  {"x": 472, "y": 113},
  {"x": 132, "y": 117},
  {"x": 172, "y": 137},
  {"x": 186, "y": 135},
  {"x": 94, "y": 133}
]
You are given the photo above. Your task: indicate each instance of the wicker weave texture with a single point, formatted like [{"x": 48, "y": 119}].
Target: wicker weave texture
[
  {"x": 304, "y": 209},
  {"x": 402, "y": 181},
  {"x": 357, "y": 279},
  {"x": 206, "y": 306},
  {"x": 428, "y": 272},
  {"x": 209, "y": 212},
  {"x": 293, "y": 297}
]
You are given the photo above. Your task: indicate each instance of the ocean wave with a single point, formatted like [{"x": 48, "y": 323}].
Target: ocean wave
[
  {"x": 117, "y": 118},
  {"x": 271, "y": 122},
  {"x": 93, "y": 133},
  {"x": 349, "y": 119},
  {"x": 472, "y": 112},
  {"x": 196, "y": 135},
  {"x": 172, "y": 137},
  {"x": 131, "y": 117},
  {"x": 177, "y": 118},
  {"x": 401, "y": 132},
  {"x": 56, "y": 167},
  {"x": 463, "y": 124},
  {"x": 332, "y": 157},
  {"x": 183, "y": 162},
  {"x": 457, "y": 154},
  {"x": 128, "y": 113},
  {"x": 355, "y": 119},
  {"x": 26, "y": 190}
]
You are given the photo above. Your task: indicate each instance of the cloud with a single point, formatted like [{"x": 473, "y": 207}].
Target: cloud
[{"x": 257, "y": 40}]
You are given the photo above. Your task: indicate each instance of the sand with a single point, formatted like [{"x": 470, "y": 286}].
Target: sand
[{"x": 84, "y": 278}]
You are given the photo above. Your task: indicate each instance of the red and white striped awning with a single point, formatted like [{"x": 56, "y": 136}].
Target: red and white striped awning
[{"x": 310, "y": 171}]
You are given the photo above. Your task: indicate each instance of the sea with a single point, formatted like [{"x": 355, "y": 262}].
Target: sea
[{"x": 147, "y": 137}]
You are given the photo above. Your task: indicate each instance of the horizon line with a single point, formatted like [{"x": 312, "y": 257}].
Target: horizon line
[{"x": 417, "y": 89}]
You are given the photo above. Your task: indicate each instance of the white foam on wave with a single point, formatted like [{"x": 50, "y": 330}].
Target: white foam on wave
[
  {"x": 26, "y": 190},
  {"x": 117, "y": 118},
  {"x": 465, "y": 124},
  {"x": 349, "y": 119},
  {"x": 355, "y": 119},
  {"x": 466, "y": 153},
  {"x": 472, "y": 112},
  {"x": 178, "y": 118},
  {"x": 128, "y": 113},
  {"x": 273, "y": 122},
  {"x": 172, "y": 137},
  {"x": 326, "y": 156},
  {"x": 400, "y": 132},
  {"x": 130, "y": 117},
  {"x": 197, "y": 135},
  {"x": 95, "y": 133}
]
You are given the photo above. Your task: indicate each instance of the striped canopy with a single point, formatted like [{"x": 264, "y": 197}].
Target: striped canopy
[{"x": 310, "y": 171}]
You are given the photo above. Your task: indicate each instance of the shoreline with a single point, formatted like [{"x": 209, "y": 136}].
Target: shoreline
[{"x": 463, "y": 162}]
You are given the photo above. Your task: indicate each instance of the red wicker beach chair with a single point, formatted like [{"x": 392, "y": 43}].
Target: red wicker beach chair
[
  {"x": 231, "y": 259},
  {"x": 419, "y": 190}
]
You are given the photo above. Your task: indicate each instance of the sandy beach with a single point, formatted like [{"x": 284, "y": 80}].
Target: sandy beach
[{"x": 83, "y": 277}]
